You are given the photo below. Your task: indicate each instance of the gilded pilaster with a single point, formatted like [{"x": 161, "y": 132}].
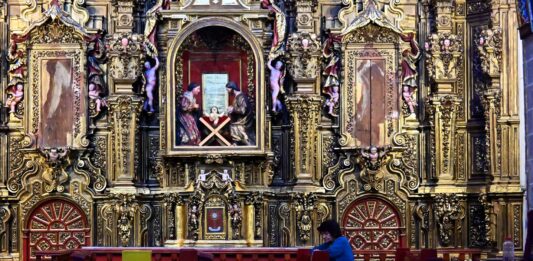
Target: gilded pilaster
[
  {"x": 305, "y": 116},
  {"x": 125, "y": 112}
]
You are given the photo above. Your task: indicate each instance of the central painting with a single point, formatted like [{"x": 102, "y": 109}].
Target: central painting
[{"x": 215, "y": 106}]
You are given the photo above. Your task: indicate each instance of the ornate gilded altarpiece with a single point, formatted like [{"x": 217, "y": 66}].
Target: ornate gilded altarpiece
[{"x": 397, "y": 118}]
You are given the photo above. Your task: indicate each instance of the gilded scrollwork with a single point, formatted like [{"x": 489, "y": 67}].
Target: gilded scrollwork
[
  {"x": 5, "y": 215},
  {"x": 55, "y": 162},
  {"x": 444, "y": 56}
]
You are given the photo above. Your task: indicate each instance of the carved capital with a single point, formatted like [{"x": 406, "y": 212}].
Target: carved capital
[
  {"x": 444, "y": 56},
  {"x": 443, "y": 9},
  {"x": 490, "y": 51},
  {"x": 126, "y": 55},
  {"x": 304, "y": 52}
]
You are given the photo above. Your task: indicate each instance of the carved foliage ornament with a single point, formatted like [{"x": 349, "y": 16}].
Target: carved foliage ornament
[
  {"x": 444, "y": 56},
  {"x": 54, "y": 163},
  {"x": 304, "y": 49},
  {"x": 490, "y": 51},
  {"x": 125, "y": 52},
  {"x": 447, "y": 211}
]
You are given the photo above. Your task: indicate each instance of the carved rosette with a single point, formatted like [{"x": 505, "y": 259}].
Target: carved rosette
[
  {"x": 304, "y": 51},
  {"x": 125, "y": 55},
  {"x": 305, "y": 116},
  {"x": 444, "y": 56},
  {"x": 305, "y": 204},
  {"x": 444, "y": 10},
  {"x": 490, "y": 51},
  {"x": 448, "y": 210}
]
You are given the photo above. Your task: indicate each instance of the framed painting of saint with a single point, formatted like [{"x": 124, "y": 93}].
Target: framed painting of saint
[{"x": 58, "y": 105}]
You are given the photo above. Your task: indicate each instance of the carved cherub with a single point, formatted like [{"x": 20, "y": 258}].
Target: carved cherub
[
  {"x": 409, "y": 72},
  {"x": 94, "y": 94},
  {"x": 373, "y": 156},
  {"x": 333, "y": 99},
  {"x": 276, "y": 83},
  {"x": 17, "y": 94},
  {"x": 151, "y": 80}
]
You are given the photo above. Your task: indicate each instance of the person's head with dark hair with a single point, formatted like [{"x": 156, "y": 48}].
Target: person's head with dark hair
[
  {"x": 330, "y": 230},
  {"x": 232, "y": 86},
  {"x": 194, "y": 88}
]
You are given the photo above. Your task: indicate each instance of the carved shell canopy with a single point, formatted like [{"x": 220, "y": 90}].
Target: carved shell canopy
[
  {"x": 56, "y": 13},
  {"x": 370, "y": 14}
]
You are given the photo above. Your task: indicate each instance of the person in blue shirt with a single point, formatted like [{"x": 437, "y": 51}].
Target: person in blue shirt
[{"x": 336, "y": 245}]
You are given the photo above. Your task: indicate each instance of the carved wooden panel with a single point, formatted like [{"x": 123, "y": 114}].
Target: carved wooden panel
[
  {"x": 372, "y": 224},
  {"x": 56, "y": 225}
]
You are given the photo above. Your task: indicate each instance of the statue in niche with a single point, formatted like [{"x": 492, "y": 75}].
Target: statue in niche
[
  {"x": 150, "y": 74},
  {"x": 16, "y": 94},
  {"x": 279, "y": 30},
  {"x": 235, "y": 214},
  {"x": 332, "y": 58},
  {"x": 409, "y": 73},
  {"x": 241, "y": 115},
  {"x": 187, "y": 129},
  {"x": 276, "y": 84},
  {"x": 332, "y": 100},
  {"x": 95, "y": 95},
  {"x": 96, "y": 56}
]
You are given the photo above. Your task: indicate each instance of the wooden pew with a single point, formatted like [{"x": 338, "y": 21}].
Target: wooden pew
[{"x": 187, "y": 254}]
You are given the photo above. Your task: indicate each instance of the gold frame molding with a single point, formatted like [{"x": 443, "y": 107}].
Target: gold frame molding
[
  {"x": 172, "y": 86},
  {"x": 74, "y": 52},
  {"x": 352, "y": 52}
]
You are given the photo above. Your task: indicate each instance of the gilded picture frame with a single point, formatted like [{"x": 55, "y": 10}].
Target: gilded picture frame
[
  {"x": 175, "y": 85},
  {"x": 67, "y": 113}
]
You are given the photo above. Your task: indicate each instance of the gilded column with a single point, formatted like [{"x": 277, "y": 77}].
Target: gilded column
[
  {"x": 125, "y": 56},
  {"x": 445, "y": 68},
  {"x": 305, "y": 105},
  {"x": 490, "y": 52}
]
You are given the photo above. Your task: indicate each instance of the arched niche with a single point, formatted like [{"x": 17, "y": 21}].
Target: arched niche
[{"x": 211, "y": 52}]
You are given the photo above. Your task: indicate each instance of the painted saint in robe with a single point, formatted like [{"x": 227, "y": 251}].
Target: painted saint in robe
[{"x": 187, "y": 128}]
